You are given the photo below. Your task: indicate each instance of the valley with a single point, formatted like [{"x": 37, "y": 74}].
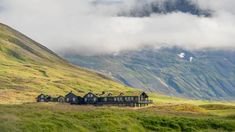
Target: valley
[
  {"x": 28, "y": 69},
  {"x": 117, "y": 66}
]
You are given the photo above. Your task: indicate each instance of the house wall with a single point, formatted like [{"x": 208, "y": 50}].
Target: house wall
[
  {"x": 90, "y": 99},
  {"x": 71, "y": 98}
]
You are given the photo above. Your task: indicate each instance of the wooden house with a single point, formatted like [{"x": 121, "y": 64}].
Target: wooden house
[
  {"x": 43, "y": 98},
  {"x": 105, "y": 98},
  {"x": 53, "y": 99},
  {"x": 128, "y": 99},
  {"x": 60, "y": 99},
  {"x": 90, "y": 98},
  {"x": 72, "y": 98}
]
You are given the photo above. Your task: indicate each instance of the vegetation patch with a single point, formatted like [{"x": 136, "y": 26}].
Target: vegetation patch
[
  {"x": 180, "y": 107},
  {"x": 184, "y": 124},
  {"x": 14, "y": 54},
  {"x": 61, "y": 117},
  {"x": 231, "y": 116},
  {"x": 44, "y": 73},
  {"x": 217, "y": 106}
]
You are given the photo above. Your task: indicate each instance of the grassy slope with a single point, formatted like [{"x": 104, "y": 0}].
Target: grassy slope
[
  {"x": 59, "y": 117},
  {"x": 27, "y": 69}
]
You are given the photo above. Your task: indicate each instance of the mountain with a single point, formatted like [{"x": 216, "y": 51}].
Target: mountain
[
  {"x": 200, "y": 74},
  {"x": 28, "y": 69}
]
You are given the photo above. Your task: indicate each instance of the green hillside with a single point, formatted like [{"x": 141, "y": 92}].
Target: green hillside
[
  {"x": 40, "y": 117},
  {"x": 209, "y": 75},
  {"x": 28, "y": 69}
]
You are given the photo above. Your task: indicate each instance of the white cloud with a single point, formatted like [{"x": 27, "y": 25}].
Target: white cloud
[
  {"x": 81, "y": 26},
  {"x": 218, "y": 5}
]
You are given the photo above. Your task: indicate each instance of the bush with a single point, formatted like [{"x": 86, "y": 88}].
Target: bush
[{"x": 185, "y": 124}]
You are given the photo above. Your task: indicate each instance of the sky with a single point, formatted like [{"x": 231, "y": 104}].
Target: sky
[{"x": 95, "y": 26}]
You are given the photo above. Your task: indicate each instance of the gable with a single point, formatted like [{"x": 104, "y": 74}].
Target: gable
[
  {"x": 90, "y": 95},
  {"x": 70, "y": 95},
  {"x": 144, "y": 95},
  {"x": 60, "y": 97},
  {"x": 42, "y": 96}
]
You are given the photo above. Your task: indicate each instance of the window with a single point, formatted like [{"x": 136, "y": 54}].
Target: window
[
  {"x": 74, "y": 99},
  {"x": 136, "y": 98},
  {"x": 115, "y": 99},
  {"x": 60, "y": 100},
  {"x": 91, "y": 95},
  {"x": 105, "y": 99},
  {"x": 85, "y": 99},
  {"x": 94, "y": 99},
  {"x": 132, "y": 98},
  {"x": 67, "y": 99},
  {"x": 128, "y": 98}
]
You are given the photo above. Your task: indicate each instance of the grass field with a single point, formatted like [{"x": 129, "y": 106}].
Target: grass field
[{"x": 61, "y": 117}]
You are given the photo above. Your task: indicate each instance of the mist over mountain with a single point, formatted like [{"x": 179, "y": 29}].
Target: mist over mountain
[
  {"x": 108, "y": 26},
  {"x": 145, "y": 9},
  {"x": 100, "y": 28},
  {"x": 203, "y": 74}
]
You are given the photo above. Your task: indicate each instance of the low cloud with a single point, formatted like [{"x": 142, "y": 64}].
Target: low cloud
[{"x": 92, "y": 27}]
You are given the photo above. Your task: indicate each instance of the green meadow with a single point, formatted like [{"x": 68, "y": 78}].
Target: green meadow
[{"x": 38, "y": 117}]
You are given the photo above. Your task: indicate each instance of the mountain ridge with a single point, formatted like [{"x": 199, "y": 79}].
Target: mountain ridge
[{"x": 199, "y": 74}]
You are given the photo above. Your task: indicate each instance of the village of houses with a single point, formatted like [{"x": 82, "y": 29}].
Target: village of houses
[{"x": 138, "y": 99}]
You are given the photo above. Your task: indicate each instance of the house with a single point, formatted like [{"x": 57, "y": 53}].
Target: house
[
  {"x": 106, "y": 98},
  {"x": 60, "y": 99},
  {"x": 43, "y": 98},
  {"x": 72, "y": 98},
  {"x": 47, "y": 98},
  {"x": 143, "y": 97},
  {"x": 123, "y": 99},
  {"x": 128, "y": 99},
  {"x": 90, "y": 98},
  {"x": 53, "y": 99}
]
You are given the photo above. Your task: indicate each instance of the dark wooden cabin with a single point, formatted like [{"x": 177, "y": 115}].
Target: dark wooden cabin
[
  {"x": 90, "y": 98},
  {"x": 43, "y": 98},
  {"x": 72, "y": 98},
  {"x": 60, "y": 99},
  {"x": 132, "y": 99}
]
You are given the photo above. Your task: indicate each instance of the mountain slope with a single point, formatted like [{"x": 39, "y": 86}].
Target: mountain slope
[
  {"x": 205, "y": 74},
  {"x": 28, "y": 68}
]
